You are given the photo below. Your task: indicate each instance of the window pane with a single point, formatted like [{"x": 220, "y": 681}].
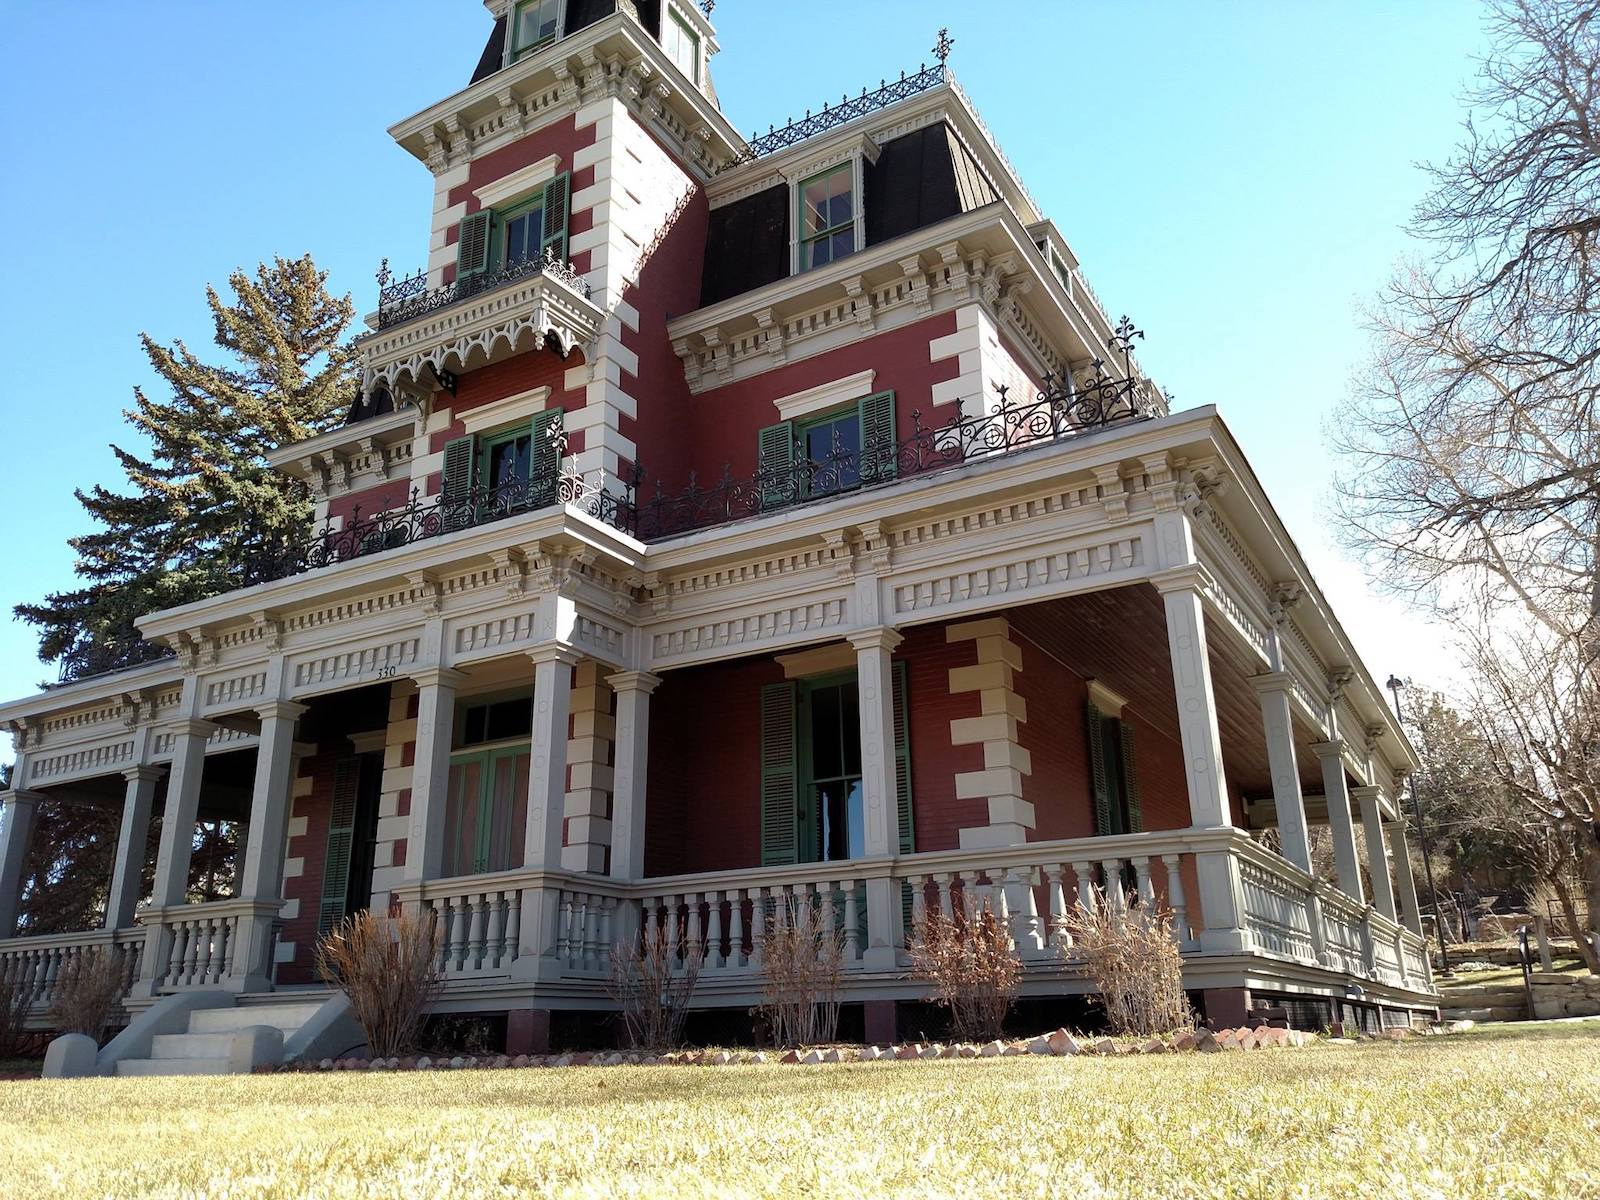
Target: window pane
[
  {"x": 509, "y": 719},
  {"x": 850, "y": 728},
  {"x": 461, "y": 817},
  {"x": 844, "y": 242},
  {"x": 827, "y": 759},
  {"x": 820, "y": 255},
  {"x": 472, "y": 731}
]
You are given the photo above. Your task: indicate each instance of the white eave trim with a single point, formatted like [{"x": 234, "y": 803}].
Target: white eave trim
[{"x": 348, "y": 437}]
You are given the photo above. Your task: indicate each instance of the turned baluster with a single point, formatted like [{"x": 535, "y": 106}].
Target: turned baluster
[
  {"x": 1147, "y": 889},
  {"x": 946, "y": 908},
  {"x": 1086, "y": 897},
  {"x": 714, "y": 955},
  {"x": 1056, "y": 899},
  {"x": 476, "y": 929},
  {"x": 495, "y": 941},
  {"x": 694, "y": 941},
  {"x": 852, "y": 918},
  {"x": 758, "y": 927},
  {"x": 737, "y": 956},
  {"x": 672, "y": 928}
]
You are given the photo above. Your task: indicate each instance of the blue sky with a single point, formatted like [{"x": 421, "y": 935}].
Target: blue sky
[{"x": 1233, "y": 175}]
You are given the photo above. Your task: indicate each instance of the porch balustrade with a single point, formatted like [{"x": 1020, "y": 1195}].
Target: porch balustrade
[
  {"x": 32, "y": 965},
  {"x": 1344, "y": 922}
]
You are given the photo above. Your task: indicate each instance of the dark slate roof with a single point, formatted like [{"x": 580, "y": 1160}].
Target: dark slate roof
[
  {"x": 747, "y": 245},
  {"x": 919, "y": 180},
  {"x": 494, "y": 53}
]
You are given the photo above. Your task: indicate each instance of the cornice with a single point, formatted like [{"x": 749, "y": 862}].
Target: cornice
[{"x": 613, "y": 57}]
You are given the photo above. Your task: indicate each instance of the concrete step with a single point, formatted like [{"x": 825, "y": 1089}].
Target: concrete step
[
  {"x": 173, "y": 1066},
  {"x": 287, "y": 1017},
  {"x": 190, "y": 1045}
]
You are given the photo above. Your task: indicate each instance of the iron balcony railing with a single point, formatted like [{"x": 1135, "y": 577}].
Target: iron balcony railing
[
  {"x": 1065, "y": 408},
  {"x": 402, "y": 300}
]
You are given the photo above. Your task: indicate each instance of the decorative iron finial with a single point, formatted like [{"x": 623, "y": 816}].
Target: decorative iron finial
[
  {"x": 1124, "y": 334},
  {"x": 384, "y": 276},
  {"x": 707, "y": 5},
  {"x": 941, "y": 48}
]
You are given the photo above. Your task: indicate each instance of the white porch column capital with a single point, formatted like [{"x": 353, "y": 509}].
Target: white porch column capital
[
  {"x": 20, "y": 798},
  {"x": 148, "y": 772},
  {"x": 882, "y": 638},
  {"x": 1333, "y": 750},
  {"x": 280, "y": 710},
  {"x": 425, "y": 677},
  {"x": 555, "y": 653},
  {"x": 190, "y": 727},
  {"x": 634, "y": 681},
  {"x": 1186, "y": 577},
  {"x": 1273, "y": 682}
]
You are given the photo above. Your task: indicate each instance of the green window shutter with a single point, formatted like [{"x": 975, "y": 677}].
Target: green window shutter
[
  {"x": 341, "y": 842},
  {"x": 878, "y": 462},
  {"x": 775, "y": 464},
  {"x": 557, "y": 197},
  {"x": 456, "y": 483},
  {"x": 780, "y": 773},
  {"x": 902, "y": 759},
  {"x": 1098, "y": 780},
  {"x": 544, "y": 457},
  {"x": 457, "y": 477},
  {"x": 472, "y": 244},
  {"x": 1130, "y": 779}
]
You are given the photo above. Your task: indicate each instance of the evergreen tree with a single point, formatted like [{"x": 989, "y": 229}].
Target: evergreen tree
[{"x": 202, "y": 502}]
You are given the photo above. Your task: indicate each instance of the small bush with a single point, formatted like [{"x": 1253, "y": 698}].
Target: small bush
[
  {"x": 653, "y": 988},
  {"x": 800, "y": 965},
  {"x": 972, "y": 965},
  {"x": 1133, "y": 959},
  {"x": 388, "y": 967},
  {"x": 88, "y": 992},
  {"x": 15, "y": 1001}
]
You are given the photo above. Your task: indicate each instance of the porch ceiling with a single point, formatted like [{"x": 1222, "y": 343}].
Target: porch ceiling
[{"x": 1119, "y": 636}]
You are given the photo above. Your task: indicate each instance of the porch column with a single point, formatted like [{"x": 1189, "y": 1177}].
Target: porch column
[
  {"x": 262, "y": 879},
  {"x": 189, "y": 739},
  {"x": 1405, "y": 882},
  {"x": 133, "y": 840},
  {"x": 1221, "y": 889},
  {"x": 430, "y": 771},
  {"x": 633, "y": 690},
  {"x": 1286, "y": 793},
  {"x": 1197, "y": 706},
  {"x": 547, "y": 792},
  {"x": 880, "y": 792},
  {"x": 1377, "y": 855},
  {"x": 1334, "y": 787},
  {"x": 16, "y": 834}
]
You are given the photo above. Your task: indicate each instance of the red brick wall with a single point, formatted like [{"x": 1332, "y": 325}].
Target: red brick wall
[
  {"x": 524, "y": 372},
  {"x": 563, "y": 139},
  {"x": 393, "y": 494},
  {"x": 723, "y": 422},
  {"x": 703, "y": 804},
  {"x": 312, "y": 847}
]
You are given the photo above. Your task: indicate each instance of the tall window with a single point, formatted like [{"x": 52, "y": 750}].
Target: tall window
[
  {"x": 812, "y": 807},
  {"x": 486, "y": 800},
  {"x": 827, "y": 217},
  {"x": 1114, "y": 777},
  {"x": 682, "y": 45},
  {"x": 522, "y": 228},
  {"x": 832, "y": 446},
  {"x": 534, "y": 23}
]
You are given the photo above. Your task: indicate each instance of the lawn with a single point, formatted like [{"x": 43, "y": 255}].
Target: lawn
[{"x": 1464, "y": 1116}]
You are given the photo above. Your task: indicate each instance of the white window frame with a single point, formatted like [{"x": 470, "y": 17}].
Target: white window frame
[
  {"x": 859, "y": 152},
  {"x": 510, "y": 54},
  {"x": 673, "y": 15}
]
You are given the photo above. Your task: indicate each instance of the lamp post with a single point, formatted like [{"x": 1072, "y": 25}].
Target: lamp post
[{"x": 1396, "y": 685}]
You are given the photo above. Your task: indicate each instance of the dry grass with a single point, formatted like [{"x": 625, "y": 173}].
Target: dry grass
[{"x": 1454, "y": 1117}]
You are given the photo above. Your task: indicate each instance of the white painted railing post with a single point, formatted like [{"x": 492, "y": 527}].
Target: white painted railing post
[
  {"x": 879, "y": 788},
  {"x": 633, "y": 690},
  {"x": 17, "y": 810},
  {"x": 1370, "y": 799},
  {"x": 133, "y": 839}
]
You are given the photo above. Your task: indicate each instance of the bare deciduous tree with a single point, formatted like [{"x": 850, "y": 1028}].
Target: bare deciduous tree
[{"x": 1474, "y": 453}]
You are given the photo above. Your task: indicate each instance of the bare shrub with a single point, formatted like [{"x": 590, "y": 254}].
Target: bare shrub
[
  {"x": 388, "y": 967},
  {"x": 800, "y": 964},
  {"x": 972, "y": 965},
  {"x": 15, "y": 1001},
  {"x": 87, "y": 993},
  {"x": 1133, "y": 959},
  {"x": 653, "y": 987}
]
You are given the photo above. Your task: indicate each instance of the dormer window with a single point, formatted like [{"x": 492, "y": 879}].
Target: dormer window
[
  {"x": 682, "y": 45},
  {"x": 534, "y": 24},
  {"x": 828, "y": 211}
]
